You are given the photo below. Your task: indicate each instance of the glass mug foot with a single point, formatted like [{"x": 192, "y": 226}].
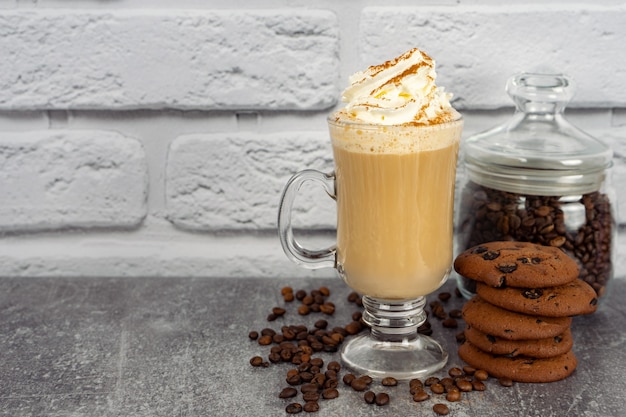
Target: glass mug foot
[{"x": 394, "y": 347}]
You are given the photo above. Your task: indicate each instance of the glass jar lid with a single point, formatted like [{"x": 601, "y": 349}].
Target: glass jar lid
[{"x": 538, "y": 151}]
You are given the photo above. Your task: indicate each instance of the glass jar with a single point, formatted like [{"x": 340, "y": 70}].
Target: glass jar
[{"x": 539, "y": 179}]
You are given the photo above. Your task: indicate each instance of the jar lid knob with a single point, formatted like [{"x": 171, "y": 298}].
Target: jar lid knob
[{"x": 540, "y": 92}]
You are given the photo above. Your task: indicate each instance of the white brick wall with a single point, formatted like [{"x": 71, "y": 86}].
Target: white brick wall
[
  {"x": 150, "y": 137},
  {"x": 55, "y": 179},
  {"x": 152, "y": 59}
]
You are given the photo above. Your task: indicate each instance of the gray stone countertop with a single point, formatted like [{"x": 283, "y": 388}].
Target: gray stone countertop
[{"x": 180, "y": 347}]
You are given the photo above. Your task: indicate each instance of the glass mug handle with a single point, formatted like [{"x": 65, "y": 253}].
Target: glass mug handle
[{"x": 307, "y": 258}]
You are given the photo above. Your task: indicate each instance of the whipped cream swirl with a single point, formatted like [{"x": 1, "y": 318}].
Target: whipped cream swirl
[{"x": 399, "y": 91}]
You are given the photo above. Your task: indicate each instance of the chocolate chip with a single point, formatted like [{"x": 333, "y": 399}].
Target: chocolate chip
[
  {"x": 507, "y": 268},
  {"x": 479, "y": 250},
  {"x": 532, "y": 293},
  {"x": 491, "y": 255}
]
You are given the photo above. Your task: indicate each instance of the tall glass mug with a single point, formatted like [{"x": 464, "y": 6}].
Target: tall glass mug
[{"x": 394, "y": 188}]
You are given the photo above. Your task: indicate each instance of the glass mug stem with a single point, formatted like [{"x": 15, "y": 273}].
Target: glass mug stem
[{"x": 311, "y": 259}]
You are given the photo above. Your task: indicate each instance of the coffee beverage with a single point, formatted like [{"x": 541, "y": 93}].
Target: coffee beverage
[{"x": 394, "y": 191}]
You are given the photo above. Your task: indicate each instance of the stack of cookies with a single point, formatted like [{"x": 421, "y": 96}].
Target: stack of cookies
[{"x": 518, "y": 324}]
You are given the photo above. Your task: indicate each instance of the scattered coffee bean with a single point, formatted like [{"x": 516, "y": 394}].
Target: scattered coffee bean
[
  {"x": 321, "y": 324},
  {"x": 274, "y": 357},
  {"x": 438, "y": 310},
  {"x": 293, "y": 408},
  {"x": 294, "y": 379},
  {"x": 369, "y": 397},
  {"x": 469, "y": 370},
  {"x": 256, "y": 361},
  {"x": 455, "y": 313},
  {"x": 441, "y": 409},
  {"x": 437, "y": 388},
  {"x": 505, "y": 382},
  {"x": 311, "y": 407},
  {"x": 444, "y": 296},
  {"x": 478, "y": 385},
  {"x": 334, "y": 366},
  {"x": 416, "y": 383},
  {"x": 481, "y": 375},
  {"x": 448, "y": 384},
  {"x": 306, "y": 376},
  {"x": 389, "y": 381},
  {"x": 311, "y": 396},
  {"x": 354, "y": 327},
  {"x": 464, "y": 386},
  {"x": 278, "y": 311},
  {"x": 308, "y": 388},
  {"x": 265, "y": 340},
  {"x": 327, "y": 308},
  {"x": 431, "y": 381},
  {"x": 330, "y": 393},
  {"x": 359, "y": 384},
  {"x": 420, "y": 395},
  {"x": 455, "y": 372},
  {"x": 268, "y": 332},
  {"x": 453, "y": 395},
  {"x": 330, "y": 374},
  {"x": 382, "y": 398},
  {"x": 425, "y": 329},
  {"x": 253, "y": 335},
  {"x": 331, "y": 383},
  {"x": 352, "y": 297},
  {"x": 368, "y": 379},
  {"x": 348, "y": 378},
  {"x": 288, "y": 392}
]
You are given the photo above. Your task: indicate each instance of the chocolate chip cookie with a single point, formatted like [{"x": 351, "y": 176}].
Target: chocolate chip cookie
[
  {"x": 520, "y": 368},
  {"x": 537, "y": 348},
  {"x": 510, "y": 325},
  {"x": 571, "y": 299},
  {"x": 516, "y": 264}
]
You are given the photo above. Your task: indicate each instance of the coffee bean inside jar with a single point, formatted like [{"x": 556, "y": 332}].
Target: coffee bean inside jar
[
  {"x": 581, "y": 225},
  {"x": 537, "y": 178}
]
